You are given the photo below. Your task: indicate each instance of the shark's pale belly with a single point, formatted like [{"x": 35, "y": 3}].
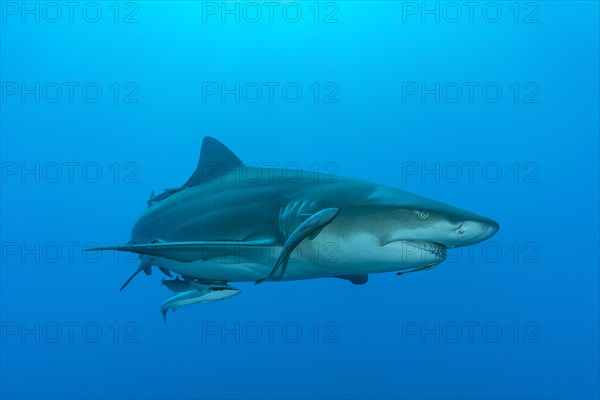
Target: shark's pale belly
[{"x": 312, "y": 259}]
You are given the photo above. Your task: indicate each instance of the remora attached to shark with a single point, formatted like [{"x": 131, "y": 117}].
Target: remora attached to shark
[{"x": 232, "y": 222}]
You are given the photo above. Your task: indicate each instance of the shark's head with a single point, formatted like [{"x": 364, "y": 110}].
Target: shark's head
[
  {"x": 397, "y": 227},
  {"x": 437, "y": 223},
  {"x": 412, "y": 217}
]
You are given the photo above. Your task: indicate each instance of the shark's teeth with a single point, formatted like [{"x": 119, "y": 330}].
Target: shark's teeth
[{"x": 431, "y": 247}]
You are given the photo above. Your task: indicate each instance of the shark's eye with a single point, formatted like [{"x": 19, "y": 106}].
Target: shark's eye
[{"x": 422, "y": 214}]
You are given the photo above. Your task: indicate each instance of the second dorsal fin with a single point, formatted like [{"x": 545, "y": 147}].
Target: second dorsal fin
[{"x": 215, "y": 161}]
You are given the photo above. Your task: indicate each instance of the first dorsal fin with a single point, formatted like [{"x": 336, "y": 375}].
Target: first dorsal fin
[{"x": 215, "y": 161}]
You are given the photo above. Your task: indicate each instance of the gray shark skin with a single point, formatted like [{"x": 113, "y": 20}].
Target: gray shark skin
[{"x": 232, "y": 222}]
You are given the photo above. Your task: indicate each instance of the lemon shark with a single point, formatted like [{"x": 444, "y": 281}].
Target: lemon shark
[{"x": 232, "y": 222}]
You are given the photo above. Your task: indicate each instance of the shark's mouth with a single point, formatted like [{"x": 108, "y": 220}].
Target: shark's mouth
[{"x": 434, "y": 248}]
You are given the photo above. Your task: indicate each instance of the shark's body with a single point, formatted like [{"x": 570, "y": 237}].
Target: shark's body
[{"x": 235, "y": 223}]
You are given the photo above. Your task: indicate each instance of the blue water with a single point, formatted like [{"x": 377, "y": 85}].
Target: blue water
[{"x": 493, "y": 109}]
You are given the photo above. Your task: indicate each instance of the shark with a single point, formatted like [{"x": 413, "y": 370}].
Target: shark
[{"x": 236, "y": 222}]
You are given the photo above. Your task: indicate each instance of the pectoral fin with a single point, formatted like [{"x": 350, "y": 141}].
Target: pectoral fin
[{"x": 309, "y": 228}]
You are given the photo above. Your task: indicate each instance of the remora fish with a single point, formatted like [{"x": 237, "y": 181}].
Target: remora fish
[{"x": 232, "y": 222}]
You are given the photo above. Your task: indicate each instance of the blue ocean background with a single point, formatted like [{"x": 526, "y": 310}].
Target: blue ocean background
[{"x": 531, "y": 295}]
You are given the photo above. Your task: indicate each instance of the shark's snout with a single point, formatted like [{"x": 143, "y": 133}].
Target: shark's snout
[{"x": 474, "y": 231}]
